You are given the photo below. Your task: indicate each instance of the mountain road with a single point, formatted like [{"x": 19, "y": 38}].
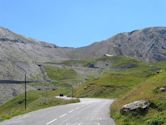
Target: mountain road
[{"x": 87, "y": 112}]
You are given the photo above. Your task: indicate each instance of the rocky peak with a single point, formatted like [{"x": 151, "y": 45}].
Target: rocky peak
[
  {"x": 8, "y": 36},
  {"x": 6, "y": 33}
]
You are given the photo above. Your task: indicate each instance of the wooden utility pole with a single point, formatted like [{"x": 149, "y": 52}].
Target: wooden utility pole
[{"x": 25, "y": 92}]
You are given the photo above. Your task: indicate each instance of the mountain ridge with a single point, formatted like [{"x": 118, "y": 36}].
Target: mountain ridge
[
  {"x": 17, "y": 51},
  {"x": 20, "y": 55},
  {"x": 137, "y": 44}
]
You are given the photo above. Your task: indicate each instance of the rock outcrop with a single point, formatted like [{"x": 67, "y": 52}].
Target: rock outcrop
[
  {"x": 136, "y": 108},
  {"x": 162, "y": 89}
]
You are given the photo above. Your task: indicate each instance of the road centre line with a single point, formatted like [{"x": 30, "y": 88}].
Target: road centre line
[
  {"x": 62, "y": 116},
  {"x": 51, "y": 121},
  {"x": 55, "y": 119}
]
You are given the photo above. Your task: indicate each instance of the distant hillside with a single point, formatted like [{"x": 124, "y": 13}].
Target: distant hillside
[
  {"x": 121, "y": 76},
  {"x": 18, "y": 53},
  {"x": 148, "y": 44},
  {"x": 106, "y": 69}
]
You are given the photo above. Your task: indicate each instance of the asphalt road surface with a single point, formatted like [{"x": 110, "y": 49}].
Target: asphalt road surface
[{"x": 87, "y": 112}]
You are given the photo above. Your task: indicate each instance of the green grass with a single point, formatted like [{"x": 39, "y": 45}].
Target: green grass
[
  {"x": 63, "y": 76},
  {"x": 126, "y": 80},
  {"x": 129, "y": 80},
  {"x": 117, "y": 61},
  {"x": 35, "y": 100},
  {"x": 146, "y": 90},
  {"x": 56, "y": 73},
  {"x": 124, "y": 74},
  {"x": 75, "y": 62}
]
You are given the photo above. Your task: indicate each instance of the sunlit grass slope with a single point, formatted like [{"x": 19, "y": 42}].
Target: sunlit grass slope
[
  {"x": 147, "y": 90},
  {"x": 124, "y": 75}
]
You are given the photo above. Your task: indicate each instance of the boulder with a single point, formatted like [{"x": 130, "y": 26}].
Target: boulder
[
  {"x": 136, "y": 107},
  {"x": 162, "y": 89}
]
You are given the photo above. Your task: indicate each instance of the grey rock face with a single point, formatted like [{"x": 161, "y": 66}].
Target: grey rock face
[
  {"x": 19, "y": 55},
  {"x": 162, "y": 89},
  {"x": 8, "y": 91},
  {"x": 139, "y": 106},
  {"x": 148, "y": 44}
]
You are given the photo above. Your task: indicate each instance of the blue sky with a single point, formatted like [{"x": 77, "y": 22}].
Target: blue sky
[{"x": 76, "y": 23}]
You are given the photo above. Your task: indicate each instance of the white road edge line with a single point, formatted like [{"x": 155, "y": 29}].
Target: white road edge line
[
  {"x": 51, "y": 121},
  {"x": 62, "y": 116}
]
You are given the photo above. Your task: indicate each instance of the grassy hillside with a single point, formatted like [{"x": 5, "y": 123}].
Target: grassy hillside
[
  {"x": 146, "y": 90},
  {"x": 124, "y": 74},
  {"x": 127, "y": 80},
  {"x": 123, "y": 78},
  {"x": 35, "y": 100},
  {"x": 56, "y": 73},
  {"x": 42, "y": 99}
]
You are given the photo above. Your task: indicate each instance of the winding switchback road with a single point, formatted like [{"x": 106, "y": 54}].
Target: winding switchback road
[{"x": 87, "y": 112}]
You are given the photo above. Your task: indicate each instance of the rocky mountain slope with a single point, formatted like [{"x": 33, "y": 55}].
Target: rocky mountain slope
[
  {"x": 148, "y": 44},
  {"x": 19, "y": 54}
]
